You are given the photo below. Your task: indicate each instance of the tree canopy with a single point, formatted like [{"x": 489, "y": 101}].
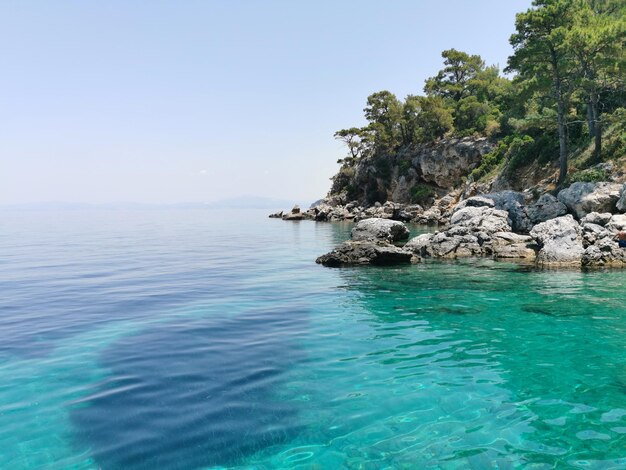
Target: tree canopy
[{"x": 567, "y": 85}]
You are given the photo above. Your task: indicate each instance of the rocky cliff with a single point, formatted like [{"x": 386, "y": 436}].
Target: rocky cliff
[{"x": 417, "y": 174}]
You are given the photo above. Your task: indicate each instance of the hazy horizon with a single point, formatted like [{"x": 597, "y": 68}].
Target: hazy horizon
[{"x": 203, "y": 101}]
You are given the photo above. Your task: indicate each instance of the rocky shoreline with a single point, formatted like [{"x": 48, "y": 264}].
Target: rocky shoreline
[{"x": 575, "y": 228}]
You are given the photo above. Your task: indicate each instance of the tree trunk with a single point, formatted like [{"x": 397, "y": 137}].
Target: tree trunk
[
  {"x": 597, "y": 149},
  {"x": 591, "y": 123},
  {"x": 562, "y": 140},
  {"x": 560, "y": 110}
]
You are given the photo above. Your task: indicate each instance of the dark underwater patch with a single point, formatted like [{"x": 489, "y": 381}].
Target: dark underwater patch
[{"x": 194, "y": 393}]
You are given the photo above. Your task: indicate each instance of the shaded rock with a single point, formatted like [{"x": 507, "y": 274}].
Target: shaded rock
[
  {"x": 547, "y": 207},
  {"x": 276, "y": 215},
  {"x": 364, "y": 252},
  {"x": 605, "y": 252},
  {"x": 380, "y": 229},
  {"x": 475, "y": 201},
  {"x": 560, "y": 241},
  {"x": 583, "y": 198},
  {"x": 296, "y": 209},
  {"x": 514, "y": 204},
  {"x": 592, "y": 233},
  {"x": 292, "y": 216}
]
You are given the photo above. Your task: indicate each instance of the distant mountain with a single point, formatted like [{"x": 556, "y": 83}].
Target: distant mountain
[{"x": 242, "y": 202}]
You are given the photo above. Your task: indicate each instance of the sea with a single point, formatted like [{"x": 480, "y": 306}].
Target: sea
[{"x": 206, "y": 338}]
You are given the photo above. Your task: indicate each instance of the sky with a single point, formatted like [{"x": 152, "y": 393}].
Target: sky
[{"x": 195, "y": 101}]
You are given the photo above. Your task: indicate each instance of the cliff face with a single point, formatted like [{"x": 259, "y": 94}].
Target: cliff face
[{"x": 416, "y": 174}]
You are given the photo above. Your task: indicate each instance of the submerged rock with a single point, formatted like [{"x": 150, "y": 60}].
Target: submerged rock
[
  {"x": 380, "y": 229},
  {"x": 364, "y": 252}
]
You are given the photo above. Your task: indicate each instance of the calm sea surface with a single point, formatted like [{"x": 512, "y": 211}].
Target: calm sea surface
[{"x": 187, "y": 339}]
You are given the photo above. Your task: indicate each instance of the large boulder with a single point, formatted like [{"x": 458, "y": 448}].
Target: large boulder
[
  {"x": 380, "y": 229},
  {"x": 583, "y": 198},
  {"x": 545, "y": 208},
  {"x": 485, "y": 219},
  {"x": 364, "y": 252},
  {"x": 560, "y": 242}
]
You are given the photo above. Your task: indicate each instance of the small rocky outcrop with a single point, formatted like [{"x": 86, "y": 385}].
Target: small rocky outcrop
[
  {"x": 582, "y": 198},
  {"x": 560, "y": 241},
  {"x": 380, "y": 229},
  {"x": 364, "y": 252}
]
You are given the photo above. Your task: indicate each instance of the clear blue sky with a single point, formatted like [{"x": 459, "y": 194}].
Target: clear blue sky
[{"x": 172, "y": 101}]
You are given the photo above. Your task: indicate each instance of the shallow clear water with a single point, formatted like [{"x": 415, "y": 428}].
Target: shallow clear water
[{"x": 196, "y": 339}]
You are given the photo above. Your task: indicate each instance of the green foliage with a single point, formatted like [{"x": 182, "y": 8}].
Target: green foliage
[
  {"x": 420, "y": 193},
  {"x": 425, "y": 118},
  {"x": 357, "y": 140},
  {"x": 514, "y": 150},
  {"x": 520, "y": 152},
  {"x": 453, "y": 80},
  {"x": 383, "y": 167},
  {"x": 384, "y": 112},
  {"x": 568, "y": 94},
  {"x": 404, "y": 166},
  {"x": 590, "y": 175}
]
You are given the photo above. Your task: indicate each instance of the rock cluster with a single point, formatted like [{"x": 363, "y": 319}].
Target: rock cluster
[
  {"x": 575, "y": 228},
  {"x": 474, "y": 231}
]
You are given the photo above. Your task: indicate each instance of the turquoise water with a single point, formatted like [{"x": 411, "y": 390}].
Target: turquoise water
[{"x": 201, "y": 339}]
